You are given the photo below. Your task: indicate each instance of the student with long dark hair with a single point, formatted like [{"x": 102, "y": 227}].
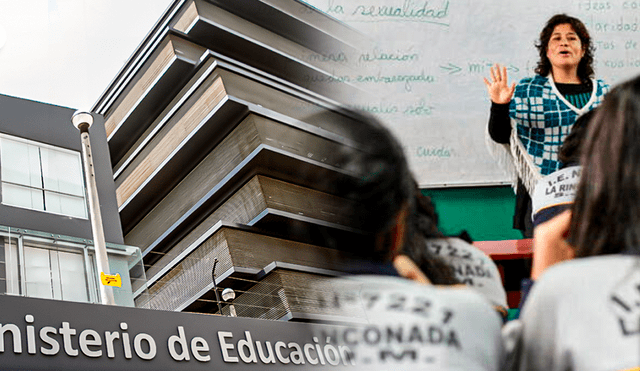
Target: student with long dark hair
[
  {"x": 584, "y": 313},
  {"x": 448, "y": 260},
  {"x": 421, "y": 326}
]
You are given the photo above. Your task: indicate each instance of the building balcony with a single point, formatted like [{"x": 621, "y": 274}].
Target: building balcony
[{"x": 51, "y": 266}]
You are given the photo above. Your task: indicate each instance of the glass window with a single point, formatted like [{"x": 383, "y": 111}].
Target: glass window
[
  {"x": 43, "y": 271},
  {"x": 38, "y": 273},
  {"x": 11, "y": 265},
  {"x": 38, "y": 264},
  {"x": 41, "y": 177},
  {"x": 3, "y": 268}
]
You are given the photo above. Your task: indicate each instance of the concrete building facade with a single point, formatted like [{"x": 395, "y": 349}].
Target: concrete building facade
[
  {"x": 222, "y": 133},
  {"x": 45, "y": 231}
]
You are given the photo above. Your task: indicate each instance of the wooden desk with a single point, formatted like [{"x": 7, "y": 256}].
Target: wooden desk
[
  {"x": 507, "y": 249},
  {"x": 513, "y": 258}
]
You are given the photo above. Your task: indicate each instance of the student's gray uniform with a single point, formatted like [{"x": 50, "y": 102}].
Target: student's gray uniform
[
  {"x": 410, "y": 326},
  {"x": 472, "y": 267},
  {"x": 583, "y": 314}
]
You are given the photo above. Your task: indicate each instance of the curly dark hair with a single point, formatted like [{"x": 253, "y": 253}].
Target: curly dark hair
[{"x": 585, "y": 67}]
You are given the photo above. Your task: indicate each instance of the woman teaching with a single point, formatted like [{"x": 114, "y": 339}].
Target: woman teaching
[{"x": 536, "y": 115}]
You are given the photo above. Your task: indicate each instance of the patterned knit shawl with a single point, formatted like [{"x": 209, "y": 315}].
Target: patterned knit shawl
[{"x": 542, "y": 118}]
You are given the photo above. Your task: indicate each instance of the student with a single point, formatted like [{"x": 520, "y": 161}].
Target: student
[
  {"x": 450, "y": 260},
  {"x": 555, "y": 192},
  {"x": 553, "y": 195},
  {"x": 411, "y": 324},
  {"x": 583, "y": 313},
  {"x": 423, "y": 225},
  {"x": 569, "y": 152}
]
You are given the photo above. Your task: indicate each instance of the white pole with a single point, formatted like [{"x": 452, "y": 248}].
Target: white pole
[{"x": 82, "y": 121}]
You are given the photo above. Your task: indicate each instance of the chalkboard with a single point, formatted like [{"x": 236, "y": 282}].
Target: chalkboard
[{"x": 428, "y": 57}]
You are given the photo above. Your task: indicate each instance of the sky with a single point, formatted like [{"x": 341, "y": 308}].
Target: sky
[{"x": 66, "y": 52}]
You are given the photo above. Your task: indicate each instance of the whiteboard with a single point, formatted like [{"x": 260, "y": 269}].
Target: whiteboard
[{"x": 428, "y": 57}]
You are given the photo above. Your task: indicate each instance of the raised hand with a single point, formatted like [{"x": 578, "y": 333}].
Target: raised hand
[{"x": 498, "y": 88}]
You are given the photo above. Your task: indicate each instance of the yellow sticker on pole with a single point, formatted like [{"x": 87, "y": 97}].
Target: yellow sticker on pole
[{"x": 111, "y": 279}]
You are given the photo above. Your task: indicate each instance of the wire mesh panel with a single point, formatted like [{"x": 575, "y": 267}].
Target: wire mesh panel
[
  {"x": 287, "y": 294},
  {"x": 189, "y": 277}
]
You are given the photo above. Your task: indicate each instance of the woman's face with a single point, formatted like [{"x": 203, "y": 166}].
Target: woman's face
[{"x": 565, "y": 48}]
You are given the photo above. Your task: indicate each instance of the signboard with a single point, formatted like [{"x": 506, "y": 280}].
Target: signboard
[
  {"x": 408, "y": 327},
  {"x": 40, "y": 334},
  {"x": 111, "y": 279}
]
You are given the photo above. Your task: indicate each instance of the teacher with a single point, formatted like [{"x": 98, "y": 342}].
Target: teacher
[{"x": 534, "y": 116}]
